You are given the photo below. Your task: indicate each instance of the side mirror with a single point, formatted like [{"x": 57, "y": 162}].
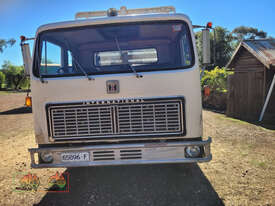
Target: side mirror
[
  {"x": 206, "y": 52},
  {"x": 26, "y": 58}
]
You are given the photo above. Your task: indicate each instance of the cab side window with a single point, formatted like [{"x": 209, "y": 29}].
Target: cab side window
[
  {"x": 186, "y": 50},
  {"x": 50, "y": 59}
]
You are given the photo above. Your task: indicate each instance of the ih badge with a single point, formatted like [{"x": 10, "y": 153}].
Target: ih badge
[{"x": 112, "y": 86}]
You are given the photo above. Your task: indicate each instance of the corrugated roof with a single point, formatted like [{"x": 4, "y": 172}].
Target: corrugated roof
[{"x": 262, "y": 49}]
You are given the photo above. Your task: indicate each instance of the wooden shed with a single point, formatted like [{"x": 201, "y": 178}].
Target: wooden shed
[{"x": 253, "y": 64}]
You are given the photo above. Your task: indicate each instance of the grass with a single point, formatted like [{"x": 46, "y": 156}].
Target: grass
[
  {"x": 243, "y": 167},
  {"x": 233, "y": 120},
  {"x": 244, "y": 153},
  {"x": 262, "y": 125},
  {"x": 6, "y": 92},
  {"x": 259, "y": 164}
]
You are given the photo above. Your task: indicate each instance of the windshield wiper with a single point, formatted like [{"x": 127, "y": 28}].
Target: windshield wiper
[
  {"x": 77, "y": 64},
  {"x": 125, "y": 59}
]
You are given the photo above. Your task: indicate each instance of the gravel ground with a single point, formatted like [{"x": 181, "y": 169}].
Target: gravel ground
[{"x": 241, "y": 173}]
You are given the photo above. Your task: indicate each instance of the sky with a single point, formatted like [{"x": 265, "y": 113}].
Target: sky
[{"x": 23, "y": 17}]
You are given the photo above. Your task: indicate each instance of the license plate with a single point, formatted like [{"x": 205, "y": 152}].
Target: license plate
[{"x": 75, "y": 156}]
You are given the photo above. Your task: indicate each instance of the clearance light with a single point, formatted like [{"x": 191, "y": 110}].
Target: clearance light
[
  {"x": 209, "y": 25},
  {"x": 28, "y": 101},
  {"x": 112, "y": 12}
]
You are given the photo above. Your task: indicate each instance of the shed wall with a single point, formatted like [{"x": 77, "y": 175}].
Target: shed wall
[
  {"x": 246, "y": 87},
  {"x": 245, "y": 61},
  {"x": 270, "y": 110}
]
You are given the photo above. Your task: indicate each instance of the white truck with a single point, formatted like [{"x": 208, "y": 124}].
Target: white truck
[{"x": 117, "y": 87}]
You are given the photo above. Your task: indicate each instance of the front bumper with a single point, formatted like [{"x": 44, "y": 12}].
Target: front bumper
[{"x": 125, "y": 154}]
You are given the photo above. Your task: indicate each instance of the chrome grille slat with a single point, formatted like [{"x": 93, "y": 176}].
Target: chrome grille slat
[{"x": 108, "y": 120}]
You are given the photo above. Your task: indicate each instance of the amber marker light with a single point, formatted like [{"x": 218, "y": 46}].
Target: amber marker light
[{"x": 28, "y": 101}]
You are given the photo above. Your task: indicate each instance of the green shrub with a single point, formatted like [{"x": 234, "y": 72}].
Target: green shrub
[
  {"x": 14, "y": 76},
  {"x": 216, "y": 79}
]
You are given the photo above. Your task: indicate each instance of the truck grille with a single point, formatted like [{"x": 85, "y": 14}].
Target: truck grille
[
  {"x": 149, "y": 118},
  {"x": 118, "y": 119},
  {"x": 81, "y": 121}
]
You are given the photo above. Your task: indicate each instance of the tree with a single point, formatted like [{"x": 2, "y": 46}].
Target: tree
[
  {"x": 4, "y": 43},
  {"x": 223, "y": 46},
  {"x": 2, "y": 79},
  {"x": 244, "y": 32},
  {"x": 15, "y": 77}
]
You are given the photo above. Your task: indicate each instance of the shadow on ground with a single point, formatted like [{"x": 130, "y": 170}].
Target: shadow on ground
[
  {"x": 182, "y": 184},
  {"x": 267, "y": 123},
  {"x": 20, "y": 110}
]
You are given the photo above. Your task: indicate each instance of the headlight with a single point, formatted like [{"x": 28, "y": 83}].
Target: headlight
[
  {"x": 192, "y": 151},
  {"x": 46, "y": 157}
]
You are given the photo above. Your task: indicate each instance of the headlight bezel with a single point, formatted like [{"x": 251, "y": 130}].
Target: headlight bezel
[
  {"x": 46, "y": 157},
  {"x": 193, "y": 151}
]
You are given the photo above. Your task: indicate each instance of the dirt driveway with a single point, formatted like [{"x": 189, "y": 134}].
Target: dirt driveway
[{"x": 242, "y": 171}]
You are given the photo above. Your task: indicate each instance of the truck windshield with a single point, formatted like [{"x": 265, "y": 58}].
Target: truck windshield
[{"x": 150, "y": 46}]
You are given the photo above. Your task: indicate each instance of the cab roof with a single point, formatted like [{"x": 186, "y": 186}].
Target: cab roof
[{"x": 114, "y": 20}]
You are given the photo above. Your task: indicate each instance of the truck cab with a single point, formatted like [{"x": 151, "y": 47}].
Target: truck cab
[{"x": 116, "y": 87}]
